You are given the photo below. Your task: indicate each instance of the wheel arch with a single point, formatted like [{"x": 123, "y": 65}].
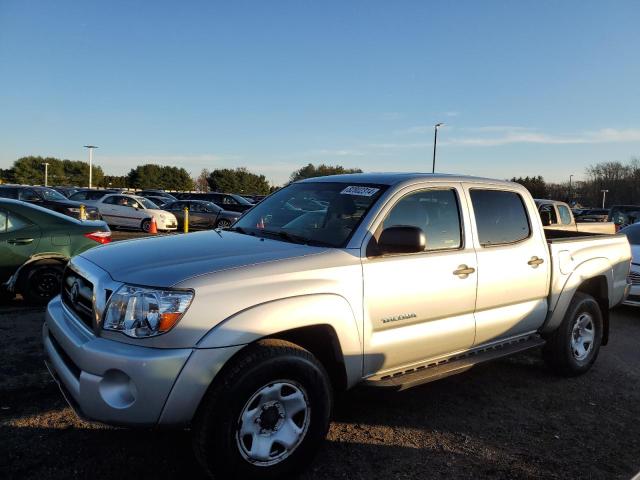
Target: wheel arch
[
  {"x": 17, "y": 277},
  {"x": 324, "y": 324},
  {"x": 594, "y": 278}
]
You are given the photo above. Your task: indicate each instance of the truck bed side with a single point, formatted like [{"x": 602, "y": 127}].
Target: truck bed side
[{"x": 592, "y": 262}]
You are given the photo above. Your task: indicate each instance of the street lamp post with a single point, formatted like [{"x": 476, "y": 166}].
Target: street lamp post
[
  {"x": 435, "y": 143},
  {"x": 570, "y": 176},
  {"x": 90, "y": 147},
  {"x": 46, "y": 174},
  {"x": 604, "y": 196}
]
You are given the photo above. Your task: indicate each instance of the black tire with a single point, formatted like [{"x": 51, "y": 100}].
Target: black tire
[
  {"x": 40, "y": 281},
  {"x": 559, "y": 351},
  {"x": 217, "y": 426},
  {"x": 223, "y": 223},
  {"x": 145, "y": 226}
]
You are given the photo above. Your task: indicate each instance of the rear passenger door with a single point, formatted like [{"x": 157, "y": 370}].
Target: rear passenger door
[
  {"x": 513, "y": 264},
  {"x": 420, "y": 305}
]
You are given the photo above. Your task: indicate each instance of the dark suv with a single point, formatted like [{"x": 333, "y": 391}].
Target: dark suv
[
  {"x": 48, "y": 198},
  {"x": 226, "y": 201}
]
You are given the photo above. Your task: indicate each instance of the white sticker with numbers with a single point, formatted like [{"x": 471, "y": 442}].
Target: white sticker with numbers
[{"x": 360, "y": 191}]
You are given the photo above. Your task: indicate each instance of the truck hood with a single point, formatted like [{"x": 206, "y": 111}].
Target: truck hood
[{"x": 167, "y": 260}]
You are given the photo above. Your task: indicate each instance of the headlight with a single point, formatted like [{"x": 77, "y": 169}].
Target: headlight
[{"x": 143, "y": 312}]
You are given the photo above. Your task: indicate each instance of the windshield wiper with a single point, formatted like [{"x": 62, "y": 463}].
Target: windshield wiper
[
  {"x": 240, "y": 230},
  {"x": 293, "y": 238}
]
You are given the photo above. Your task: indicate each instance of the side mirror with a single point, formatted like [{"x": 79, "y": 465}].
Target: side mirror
[{"x": 402, "y": 240}]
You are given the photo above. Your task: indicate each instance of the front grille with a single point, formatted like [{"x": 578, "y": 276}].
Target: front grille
[
  {"x": 634, "y": 278},
  {"x": 77, "y": 294}
]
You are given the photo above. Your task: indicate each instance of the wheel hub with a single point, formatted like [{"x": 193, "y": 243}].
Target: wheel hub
[
  {"x": 273, "y": 423},
  {"x": 582, "y": 336}
]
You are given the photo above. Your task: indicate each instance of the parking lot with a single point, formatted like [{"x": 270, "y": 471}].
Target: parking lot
[{"x": 509, "y": 419}]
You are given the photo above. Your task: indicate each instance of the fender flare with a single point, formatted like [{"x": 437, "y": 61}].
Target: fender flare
[
  {"x": 595, "y": 267},
  {"x": 276, "y": 316},
  {"x": 10, "y": 284}
]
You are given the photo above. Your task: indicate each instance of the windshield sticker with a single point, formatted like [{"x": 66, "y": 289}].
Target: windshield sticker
[{"x": 360, "y": 191}]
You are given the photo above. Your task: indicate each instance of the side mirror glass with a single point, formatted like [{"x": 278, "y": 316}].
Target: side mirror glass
[{"x": 402, "y": 240}]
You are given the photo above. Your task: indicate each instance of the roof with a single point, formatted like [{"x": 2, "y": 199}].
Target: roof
[{"x": 394, "y": 178}]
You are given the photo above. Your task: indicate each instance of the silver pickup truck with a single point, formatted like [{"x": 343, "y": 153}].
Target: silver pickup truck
[{"x": 387, "y": 280}]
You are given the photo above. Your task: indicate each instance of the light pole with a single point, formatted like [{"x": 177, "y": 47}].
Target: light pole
[
  {"x": 604, "y": 196},
  {"x": 46, "y": 174},
  {"x": 435, "y": 142},
  {"x": 570, "y": 188},
  {"x": 90, "y": 147}
]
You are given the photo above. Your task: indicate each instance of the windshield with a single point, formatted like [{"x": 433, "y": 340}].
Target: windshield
[
  {"x": 51, "y": 194},
  {"x": 146, "y": 203},
  {"x": 313, "y": 213},
  {"x": 633, "y": 234}
]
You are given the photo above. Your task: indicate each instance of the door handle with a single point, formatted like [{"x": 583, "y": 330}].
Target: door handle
[
  {"x": 20, "y": 241},
  {"x": 464, "y": 271},
  {"x": 535, "y": 261}
]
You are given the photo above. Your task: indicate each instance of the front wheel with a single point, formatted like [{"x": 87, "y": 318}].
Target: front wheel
[
  {"x": 574, "y": 346},
  {"x": 146, "y": 225},
  {"x": 266, "y": 416}
]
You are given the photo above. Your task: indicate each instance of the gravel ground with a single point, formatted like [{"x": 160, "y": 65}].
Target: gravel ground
[{"x": 509, "y": 419}]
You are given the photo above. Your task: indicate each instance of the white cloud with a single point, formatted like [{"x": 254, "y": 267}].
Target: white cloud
[
  {"x": 497, "y": 135},
  {"x": 452, "y": 114}
]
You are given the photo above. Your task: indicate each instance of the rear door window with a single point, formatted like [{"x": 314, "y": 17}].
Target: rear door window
[{"x": 501, "y": 217}]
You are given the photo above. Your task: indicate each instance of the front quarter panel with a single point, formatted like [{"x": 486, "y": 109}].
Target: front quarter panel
[{"x": 290, "y": 313}]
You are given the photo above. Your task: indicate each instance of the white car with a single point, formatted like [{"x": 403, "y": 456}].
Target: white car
[
  {"x": 633, "y": 234},
  {"x": 133, "y": 211}
]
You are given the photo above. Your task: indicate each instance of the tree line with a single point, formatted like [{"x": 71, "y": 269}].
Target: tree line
[
  {"x": 621, "y": 180},
  {"x": 31, "y": 171}
]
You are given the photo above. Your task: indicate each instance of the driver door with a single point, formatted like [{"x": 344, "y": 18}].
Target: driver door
[{"x": 419, "y": 306}]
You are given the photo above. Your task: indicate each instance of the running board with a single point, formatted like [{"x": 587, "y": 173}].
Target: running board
[{"x": 457, "y": 364}]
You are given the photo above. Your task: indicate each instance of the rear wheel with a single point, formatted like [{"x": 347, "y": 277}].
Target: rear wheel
[
  {"x": 267, "y": 415},
  {"x": 574, "y": 346},
  {"x": 40, "y": 282}
]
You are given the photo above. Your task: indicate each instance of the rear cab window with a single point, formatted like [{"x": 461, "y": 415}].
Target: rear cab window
[
  {"x": 565, "y": 215},
  {"x": 501, "y": 217}
]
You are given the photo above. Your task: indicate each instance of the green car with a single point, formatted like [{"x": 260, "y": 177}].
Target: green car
[{"x": 35, "y": 245}]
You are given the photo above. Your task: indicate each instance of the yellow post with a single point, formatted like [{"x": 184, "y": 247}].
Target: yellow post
[
  {"x": 83, "y": 212},
  {"x": 186, "y": 220}
]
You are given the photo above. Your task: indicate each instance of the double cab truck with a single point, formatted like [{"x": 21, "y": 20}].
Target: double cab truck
[
  {"x": 557, "y": 215},
  {"x": 387, "y": 280}
]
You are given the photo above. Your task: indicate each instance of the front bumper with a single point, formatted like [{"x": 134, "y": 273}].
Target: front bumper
[
  {"x": 633, "y": 298},
  {"x": 123, "y": 384}
]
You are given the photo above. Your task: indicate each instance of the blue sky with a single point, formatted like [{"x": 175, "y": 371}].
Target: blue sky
[{"x": 524, "y": 88}]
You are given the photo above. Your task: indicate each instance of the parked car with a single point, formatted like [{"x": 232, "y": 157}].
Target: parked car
[
  {"x": 245, "y": 334},
  {"x": 159, "y": 201},
  {"x": 557, "y": 215},
  {"x": 633, "y": 234},
  {"x": 48, "y": 198},
  {"x": 89, "y": 196},
  {"x": 226, "y": 201},
  {"x": 202, "y": 214},
  {"x": 592, "y": 215},
  {"x": 623, "y": 215},
  {"x": 156, "y": 193},
  {"x": 132, "y": 211},
  {"x": 35, "y": 245},
  {"x": 66, "y": 191}
]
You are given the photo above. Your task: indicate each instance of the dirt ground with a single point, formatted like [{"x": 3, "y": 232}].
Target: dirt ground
[{"x": 509, "y": 419}]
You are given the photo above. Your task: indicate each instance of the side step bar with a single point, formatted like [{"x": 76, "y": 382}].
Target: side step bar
[{"x": 458, "y": 364}]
